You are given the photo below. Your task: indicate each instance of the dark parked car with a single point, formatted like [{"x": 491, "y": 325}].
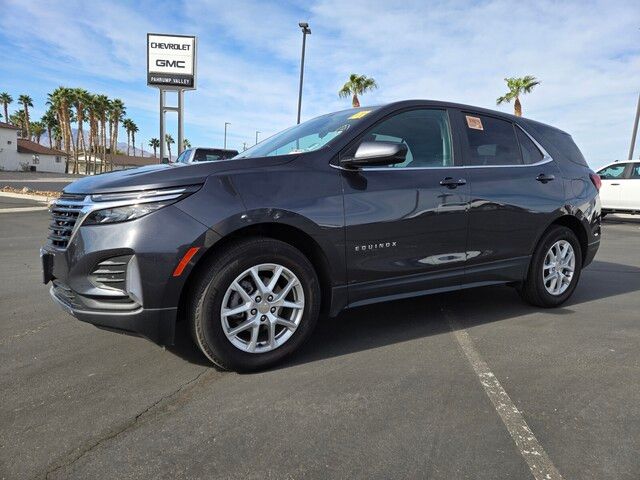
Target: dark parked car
[
  {"x": 347, "y": 209},
  {"x": 201, "y": 154}
]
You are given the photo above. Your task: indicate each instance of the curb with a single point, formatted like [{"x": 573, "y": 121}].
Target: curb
[{"x": 26, "y": 196}]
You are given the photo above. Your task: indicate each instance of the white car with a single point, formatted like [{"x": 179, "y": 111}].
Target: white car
[{"x": 620, "y": 191}]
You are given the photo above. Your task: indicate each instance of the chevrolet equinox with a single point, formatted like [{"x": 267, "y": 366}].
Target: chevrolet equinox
[{"x": 347, "y": 209}]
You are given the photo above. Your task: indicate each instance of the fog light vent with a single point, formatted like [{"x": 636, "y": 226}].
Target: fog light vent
[{"x": 111, "y": 273}]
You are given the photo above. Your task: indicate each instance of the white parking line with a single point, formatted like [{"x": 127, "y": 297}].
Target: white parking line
[{"x": 539, "y": 462}]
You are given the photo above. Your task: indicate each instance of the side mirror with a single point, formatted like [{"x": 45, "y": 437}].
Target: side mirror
[{"x": 376, "y": 153}]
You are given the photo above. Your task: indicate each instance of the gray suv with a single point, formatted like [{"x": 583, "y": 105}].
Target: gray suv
[{"x": 350, "y": 208}]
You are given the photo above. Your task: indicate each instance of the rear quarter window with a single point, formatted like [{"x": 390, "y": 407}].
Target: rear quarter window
[{"x": 559, "y": 142}]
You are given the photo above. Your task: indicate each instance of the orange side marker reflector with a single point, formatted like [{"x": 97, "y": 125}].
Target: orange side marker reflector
[{"x": 185, "y": 260}]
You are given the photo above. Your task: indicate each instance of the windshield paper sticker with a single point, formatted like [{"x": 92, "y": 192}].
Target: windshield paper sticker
[
  {"x": 474, "y": 122},
  {"x": 359, "y": 114}
]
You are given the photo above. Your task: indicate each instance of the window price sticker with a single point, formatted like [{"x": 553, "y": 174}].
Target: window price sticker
[{"x": 474, "y": 122}]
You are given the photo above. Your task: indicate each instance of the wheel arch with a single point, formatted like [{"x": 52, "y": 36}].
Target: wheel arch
[
  {"x": 279, "y": 231},
  {"x": 576, "y": 226}
]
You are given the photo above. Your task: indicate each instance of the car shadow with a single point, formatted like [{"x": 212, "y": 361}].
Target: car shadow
[{"x": 384, "y": 324}]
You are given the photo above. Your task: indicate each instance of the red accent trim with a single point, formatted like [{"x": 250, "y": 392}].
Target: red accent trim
[{"x": 185, "y": 260}]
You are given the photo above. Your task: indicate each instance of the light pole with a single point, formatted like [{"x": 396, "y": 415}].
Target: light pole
[
  {"x": 257, "y": 132},
  {"x": 226, "y": 124},
  {"x": 305, "y": 31}
]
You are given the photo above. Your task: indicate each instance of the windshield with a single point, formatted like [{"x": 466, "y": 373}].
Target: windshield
[{"x": 308, "y": 136}]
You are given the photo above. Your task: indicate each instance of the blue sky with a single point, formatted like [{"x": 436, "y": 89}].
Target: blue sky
[{"x": 587, "y": 55}]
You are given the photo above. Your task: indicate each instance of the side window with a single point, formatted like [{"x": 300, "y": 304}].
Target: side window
[
  {"x": 635, "y": 171},
  {"x": 426, "y": 133},
  {"x": 491, "y": 141},
  {"x": 530, "y": 153},
  {"x": 612, "y": 171},
  {"x": 183, "y": 156}
]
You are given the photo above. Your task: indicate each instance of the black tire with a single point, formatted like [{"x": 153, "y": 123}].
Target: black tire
[
  {"x": 209, "y": 290},
  {"x": 532, "y": 289}
]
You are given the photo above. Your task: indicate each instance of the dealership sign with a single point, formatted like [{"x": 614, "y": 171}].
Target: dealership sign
[{"x": 171, "y": 61}]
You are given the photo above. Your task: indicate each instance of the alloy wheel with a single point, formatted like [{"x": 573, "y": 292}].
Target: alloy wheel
[{"x": 262, "y": 308}]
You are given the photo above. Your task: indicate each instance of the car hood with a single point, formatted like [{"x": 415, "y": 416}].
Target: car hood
[{"x": 166, "y": 175}]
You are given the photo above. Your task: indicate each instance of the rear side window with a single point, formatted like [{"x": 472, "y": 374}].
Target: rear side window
[
  {"x": 612, "y": 171},
  {"x": 530, "y": 153},
  {"x": 635, "y": 171},
  {"x": 491, "y": 141},
  {"x": 564, "y": 144}
]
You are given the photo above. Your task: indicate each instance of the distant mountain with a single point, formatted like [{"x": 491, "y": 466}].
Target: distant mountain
[{"x": 122, "y": 146}]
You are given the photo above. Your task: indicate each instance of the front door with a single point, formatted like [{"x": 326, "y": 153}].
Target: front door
[
  {"x": 515, "y": 190},
  {"x": 630, "y": 188},
  {"x": 612, "y": 178},
  {"x": 406, "y": 224}
]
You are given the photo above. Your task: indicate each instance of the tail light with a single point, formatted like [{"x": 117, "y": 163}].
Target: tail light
[{"x": 595, "y": 179}]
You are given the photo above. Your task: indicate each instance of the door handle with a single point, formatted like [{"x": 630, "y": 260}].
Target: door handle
[
  {"x": 452, "y": 183},
  {"x": 614, "y": 184},
  {"x": 544, "y": 178}
]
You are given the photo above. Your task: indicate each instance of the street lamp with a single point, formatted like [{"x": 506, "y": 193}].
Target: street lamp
[
  {"x": 305, "y": 31},
  {"x": 257, "y": 132},
  {"x": 226, "y": 124}
]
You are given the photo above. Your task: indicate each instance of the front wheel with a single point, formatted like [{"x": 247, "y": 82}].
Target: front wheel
[
  {"x": 554, "y": 270},
  {"x": 256, "y": 303}
]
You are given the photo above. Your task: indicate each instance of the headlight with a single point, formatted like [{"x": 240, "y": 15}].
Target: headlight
[
  {"x": 122, "y": 214},
  {"x": 121, "y": 207}
]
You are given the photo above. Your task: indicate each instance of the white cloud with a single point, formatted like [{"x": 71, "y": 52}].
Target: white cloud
[{"x": 587, "y": 56}]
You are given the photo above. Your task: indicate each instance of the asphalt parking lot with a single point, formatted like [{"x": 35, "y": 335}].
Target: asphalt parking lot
[
  {"x": 42, "y": 181},
  {"x": 398, "y": 390}
]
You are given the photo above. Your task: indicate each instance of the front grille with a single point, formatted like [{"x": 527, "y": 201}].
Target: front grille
[
  {"x": 64, "y": 214},
  {"x": 111, "y": 273}
]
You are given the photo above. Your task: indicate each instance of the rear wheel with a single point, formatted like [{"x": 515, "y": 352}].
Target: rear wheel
[
  {"x": 257, "y": 302},
  {"x": 554, "y": 270}
]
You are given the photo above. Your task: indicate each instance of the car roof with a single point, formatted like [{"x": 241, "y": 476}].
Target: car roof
[{"x": 461, "y": 106}]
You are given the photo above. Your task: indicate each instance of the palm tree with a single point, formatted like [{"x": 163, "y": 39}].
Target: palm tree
[
  {"x": 37, "y": 129},
  {"x": 186, "y": 144},
  {"x": 49, "y": 120},
  {"x": 17, "y": 119},
  {"x": 79, "y": 99},
  {"x": 134, "y": 129},
  {"x": 357, "y": 85},
  {"x": 116, "y": 115},
  {"x": 517, "y": 86},
  {"x": 102, "y": 108},
  {"x": 26, "y": 102},
  {"x": 155, "y": 144},
  {"x": 169, "y": 140},
  {"x": 60, "y": 100},
  {"x": 6, "y": 99},
  {"x": 126, "y": 123}
]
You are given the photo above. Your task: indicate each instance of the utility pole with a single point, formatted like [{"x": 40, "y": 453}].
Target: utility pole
[
  {"x": 635, "y": 130},
  {"x": 305, "y": 31},
  {"x": 257, "y": 132}
]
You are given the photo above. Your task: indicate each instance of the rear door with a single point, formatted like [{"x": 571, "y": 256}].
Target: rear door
[
  {"x": 613, "y": 178},
  {"x": 630, "y": 188},
  {"x": 515, "y": 188},
  {"x": 405, "y": 230}
]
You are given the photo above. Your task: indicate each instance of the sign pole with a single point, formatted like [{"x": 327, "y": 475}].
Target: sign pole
[
  {"x": 162, "y": 142},
  {"x": 180, "y": 124},
  {"x": 171, "y": 66},
  {"x": 635, "y": 130}
]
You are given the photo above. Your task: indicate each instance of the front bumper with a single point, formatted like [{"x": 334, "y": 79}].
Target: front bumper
[
  {"x": 157, "y": 325},
  {"x": 120, "y": 276}
]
